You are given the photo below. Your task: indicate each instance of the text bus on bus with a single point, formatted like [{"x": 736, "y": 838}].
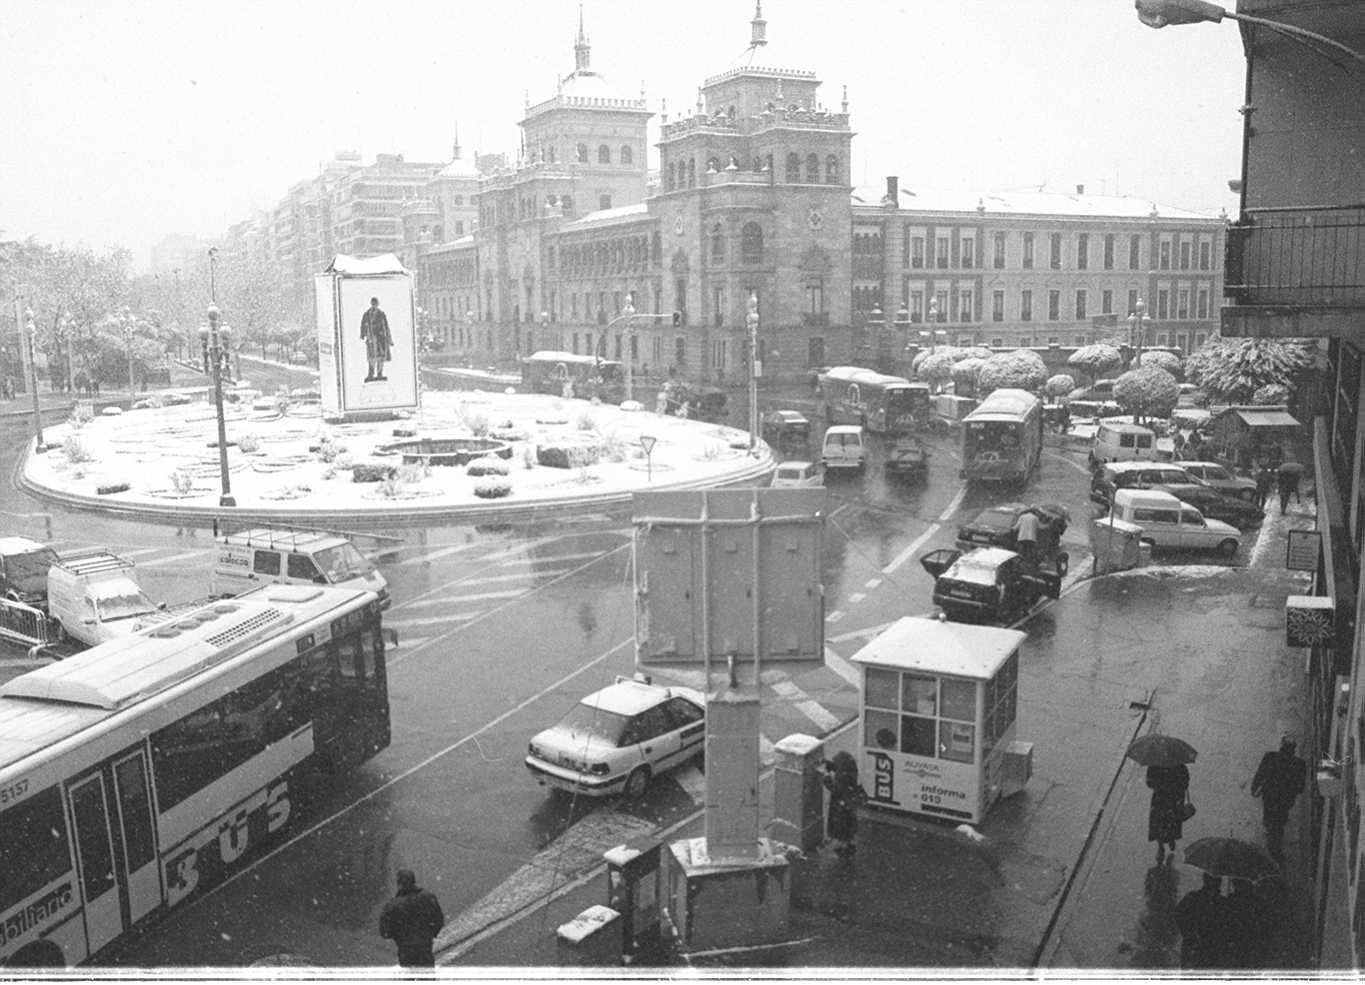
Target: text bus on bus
[
  {"x": 883, "y": 404},
  {"x": 548, "y": 371},
  {"x": 143, "y": 771},
  {"x": 1002, "y": 439}
]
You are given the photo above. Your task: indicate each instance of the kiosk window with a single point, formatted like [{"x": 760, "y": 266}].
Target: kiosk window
[
  {"x": 956, "y": 741},
  {"x": 920, "y": 695},
  {"x": 883, "y": 688},
  {"x": 917, "y": 735},
  {"x": 879, "y": 729},
  {"x": 959, "y": 700}
]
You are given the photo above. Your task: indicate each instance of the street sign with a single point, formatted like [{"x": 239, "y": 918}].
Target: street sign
[{"x": 1304, "y": 550}]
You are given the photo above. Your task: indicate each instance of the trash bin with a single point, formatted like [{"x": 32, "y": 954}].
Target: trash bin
[{"x": 1116, "y": 544}]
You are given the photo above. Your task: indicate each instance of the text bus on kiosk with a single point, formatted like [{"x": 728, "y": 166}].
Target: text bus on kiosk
[
  {"x": 880, "y": 403},
  {"x": 547, "y": 371},
  {"x": 1002, "y": 439},
  {"x": 938, "y": 707},
  {"x": 140, "y": 772}
]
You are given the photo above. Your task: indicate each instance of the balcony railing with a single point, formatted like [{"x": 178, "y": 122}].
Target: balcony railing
[{"x": 1304, "y": 257}]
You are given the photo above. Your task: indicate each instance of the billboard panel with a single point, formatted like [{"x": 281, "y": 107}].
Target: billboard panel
[{"x": 367, "y": 347}]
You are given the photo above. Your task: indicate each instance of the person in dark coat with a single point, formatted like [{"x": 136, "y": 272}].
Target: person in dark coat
[
  {"x": 1202, "y": 918},
  {"x": 374, "y": 329},
  {"x": 1165, "y": 820},
  {"x": 845, "y": 793},
  {"x": 412, "y": 919},
  {"x": 1288, "y": 475},
  {"x": 1264, "y": 480},
  {"x": 1278, "y": 782},
  {"x": 1245, "y": 943}
]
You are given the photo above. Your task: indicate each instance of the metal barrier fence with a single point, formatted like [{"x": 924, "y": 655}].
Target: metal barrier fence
[{"x": 24, "y": 624}]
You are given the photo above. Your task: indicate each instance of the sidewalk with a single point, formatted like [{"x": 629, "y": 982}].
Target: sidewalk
[{"x": 1057, "y": 881}]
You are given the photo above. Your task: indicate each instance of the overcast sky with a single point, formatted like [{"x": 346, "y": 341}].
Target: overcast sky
[{"x": 125, "y": 122}]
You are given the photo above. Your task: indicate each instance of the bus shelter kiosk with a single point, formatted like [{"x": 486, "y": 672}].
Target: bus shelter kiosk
[{"x": 937, "y": 705}]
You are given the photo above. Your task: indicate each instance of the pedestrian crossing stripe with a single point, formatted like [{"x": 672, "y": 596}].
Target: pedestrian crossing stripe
[{"x": 432, "y": 620}]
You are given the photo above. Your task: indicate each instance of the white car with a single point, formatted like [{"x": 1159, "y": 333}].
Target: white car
[
  {"x": 617, "y": 739},
  {"x": 792, "y": 474}
]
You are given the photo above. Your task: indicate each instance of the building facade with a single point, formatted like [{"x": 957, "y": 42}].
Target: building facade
[{"x": 753, "y": 200}]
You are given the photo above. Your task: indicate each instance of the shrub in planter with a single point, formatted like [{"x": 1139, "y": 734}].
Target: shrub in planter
[
  {"x": 182, "y": 482},
  {"x": 586, "y": 422},
  {"x": 81, "y": 415},
  {"x": 568, "y": 455},
  {"x": 249, "y": 443},
  {"x": 493, "y": 487},
  {"x": 111, "y": 488},
  {"x": 488, "y": 465},
  {"x": 509, "y": 433},
  {"x": 372, "y": 472},
  {"x": 74, "y": 449}
]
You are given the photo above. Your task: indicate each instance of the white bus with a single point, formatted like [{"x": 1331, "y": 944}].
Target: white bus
[
  {"x": 1002, "y": 439},
  {"x": 143, "y": 771},
  {"x": 880, "y": 403}
]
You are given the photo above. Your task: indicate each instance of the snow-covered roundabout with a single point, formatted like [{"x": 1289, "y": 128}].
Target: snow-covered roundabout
[{"x": 515, "y": 452}]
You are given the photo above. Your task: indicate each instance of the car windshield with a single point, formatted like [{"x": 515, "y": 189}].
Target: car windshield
[
  {"x": 1002, "y": 518},
  {"x": 598, "y": 723},
  {"x": 124, "y": 606},
  {"x": 343, "y": 562}
]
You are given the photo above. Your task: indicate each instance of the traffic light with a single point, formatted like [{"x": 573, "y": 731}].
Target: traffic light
[{"x": 677, "y": 319}]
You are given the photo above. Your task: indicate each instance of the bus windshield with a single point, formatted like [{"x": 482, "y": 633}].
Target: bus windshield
[{"x": 992, "y": 436}]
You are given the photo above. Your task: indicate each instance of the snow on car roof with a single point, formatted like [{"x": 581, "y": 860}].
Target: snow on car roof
[
  {"x": 626, "y": 697},
  {"x": 979, "y": 566}
]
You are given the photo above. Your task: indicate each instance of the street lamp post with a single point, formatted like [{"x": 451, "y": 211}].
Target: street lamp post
[
  {"x": 542, "y": 342},
  {"x": 755, "y": 368},
  {"x": 1137, "y": 330},
  {"x": 215, "y": 338},
  {"x": 128, "y": 334},
  {"x": 876, "y": 327},
  {"x": 628, "y": 315},
  {"x": 31, "y": 330},
  {"x": 930, "y": 333}
]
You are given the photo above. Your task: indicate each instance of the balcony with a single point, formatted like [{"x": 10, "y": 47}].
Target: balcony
[{"x": 1296, "y": 272}]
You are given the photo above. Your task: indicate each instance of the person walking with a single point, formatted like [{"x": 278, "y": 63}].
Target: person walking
[
  {"x": 1245, "y": 942},
  {"x": 1170, "y": 787},
  {"x": 1289, "y": 474},
  {"x": 845, "y": 794},
  {"x": 1264, "y": 480},
  {"x": 1201, "y": 915},
  {"x": 1278, "y": 782},
  {"x": 412, "y": 919},
  {"x": 1026, "y": 537}
]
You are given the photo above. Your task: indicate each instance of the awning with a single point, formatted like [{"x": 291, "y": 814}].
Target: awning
[{"x": 1268, "y": 417}]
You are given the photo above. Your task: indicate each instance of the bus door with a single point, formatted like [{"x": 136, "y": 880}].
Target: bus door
[{"x": 115, "y": 848}]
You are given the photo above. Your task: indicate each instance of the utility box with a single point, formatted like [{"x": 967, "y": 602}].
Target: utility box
[
  {"x": 1018, "y": 767},
  {"x": 798, "y": 794},
  {"x": 1116, "y": 544},
  {"x": 634, "y": 890}
]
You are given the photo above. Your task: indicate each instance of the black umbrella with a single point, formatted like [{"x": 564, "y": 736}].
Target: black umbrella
[
  {"x": 1230, "y": 858},
  {"x": 1161, "y": 750}
]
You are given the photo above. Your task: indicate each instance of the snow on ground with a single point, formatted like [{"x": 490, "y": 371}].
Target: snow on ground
[{"x": 169, "y": 456}]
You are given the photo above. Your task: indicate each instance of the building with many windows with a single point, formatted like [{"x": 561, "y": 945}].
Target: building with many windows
[{"x": 753, "y": 199}]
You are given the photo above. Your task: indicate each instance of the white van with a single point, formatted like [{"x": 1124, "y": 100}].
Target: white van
[
  {"x": 249, "y": 559},
  {"x": 1169, "y": 524},
  {"x": 844, "y": 447},
  {"x": 1122, "y": 443},
  {"x": 793, "y": 474},
  {"x": 94, "y": 596}
]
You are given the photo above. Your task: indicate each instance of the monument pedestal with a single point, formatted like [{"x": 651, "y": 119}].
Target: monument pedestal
[{"x": 720, "y": 903}]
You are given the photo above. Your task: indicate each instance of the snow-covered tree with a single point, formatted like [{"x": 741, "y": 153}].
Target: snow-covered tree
[
  {"x": 1271, "y": 393},
  {"x": 1022, "y": 368},
  {"x": 1096, "y": 360},
  {"x": 1232, "y": 370},
  {"x": 965, "y": 373},
  {"x": 936, "y": 368},
  {"x": 1059, "y": 385},
  {"x": 1168, "y": 361},
  {"x": 1148, "y": 391}
]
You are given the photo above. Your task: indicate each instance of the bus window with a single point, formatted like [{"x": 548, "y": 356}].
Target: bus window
[
  {"x": 348, "y": 654},
  {"x": 33, "y": 846},
  {"x": 92, "y": 837},
  {"x": 134, "y": 809}
]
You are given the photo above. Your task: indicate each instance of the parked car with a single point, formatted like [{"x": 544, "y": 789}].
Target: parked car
[
  {"x": 794, "y": 474},
  {"x": 1122, "y": 443},
  {"x": 1222, "y": 478},
  {"x": 994, "y": 527},
  {"x": 988, "y": 584},
  {"x": 1215, "y": 505},
  {"x": 844, "y": 447},
  {"x": 23, "y": 570},
  {"x": 1136, "y": 475},
  {"x": 617, "y": 739},
  {"x": 907, "y": 461},
  {"x": 1169, "y": 524},
  {"x": 784, "y": 426}
]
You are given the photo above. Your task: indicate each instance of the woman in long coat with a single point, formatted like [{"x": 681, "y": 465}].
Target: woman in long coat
[
  {"x": 1170, "y": 785},
  {"x": 841, "y": 818}
]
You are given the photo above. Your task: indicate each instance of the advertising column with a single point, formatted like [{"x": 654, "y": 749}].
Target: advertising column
[{"x": 367, "y": 346}]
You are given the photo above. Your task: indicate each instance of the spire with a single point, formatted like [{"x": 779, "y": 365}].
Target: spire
[
  {"x": 699, "y": 100},
  {"x": 845, "y": 99},
  {"x": 581, "y": 49},
  {"x": 759, "y": 36},
  {"x": 457, "y": 143}
]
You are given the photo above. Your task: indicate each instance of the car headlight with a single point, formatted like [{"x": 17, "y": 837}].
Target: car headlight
[
  {"x": 599, "y": 769},
  {"x": 534, "y": 750}
]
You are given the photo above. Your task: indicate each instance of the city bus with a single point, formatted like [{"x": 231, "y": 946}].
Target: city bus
[
  {"x": 138, "y": 774},
  {"x": 1002, "y": 439},
  {"x": 883, "y": 404},
  {"x": 548, "y": 371}
]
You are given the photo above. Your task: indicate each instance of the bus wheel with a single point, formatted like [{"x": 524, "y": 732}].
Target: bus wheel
[{"x": 38, "y": 954}]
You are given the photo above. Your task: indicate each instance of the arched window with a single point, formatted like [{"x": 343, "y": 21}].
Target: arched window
[
  {"x": 831, "y": 170},
  {"x": 627, "y": 155},
  {"x": 657, "y": 249},
  {"x": 582, "y": 153},
  {"x": 604, "y": 154},
  {"x": 550, "y": 154},
  {"x": 751, "y": 243},
  {"x": 793, "y": 167},
  {"x": 717, "y": 244},
  {"x": 668, "y": 182},
  {"x": 813, "y": 169},
  {"x": 713, "y": 164},
  {"x": 691, "y": 172},
  {"x": 567, "y": 202}
]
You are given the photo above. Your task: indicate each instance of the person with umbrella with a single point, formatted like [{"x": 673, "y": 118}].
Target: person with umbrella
[
  {"x": 1233, "y": 931},
  {"x": 1202, "y": 916},
  {"x": 1165, "y": 757},
  {"x": 1278, "y": 781}
]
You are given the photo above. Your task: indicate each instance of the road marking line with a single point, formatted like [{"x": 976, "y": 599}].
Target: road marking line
[
  {"x": 786, "y": 688},
  {"x": 433, "y": 555},
  {"x": 173, "y": 558},
  {"x": 873, "y": 583},
  {"x": 934, "y": 527},
  {"x": 140, "y": 551},
  {"x": 460, "y": 597},
  {"x": 407, "y": 641},
  {"x": 521, "y": 576},
  {"x": 834, "y": 616},
  {"x": 818, "y": 714},
  {"x": 433, "y": 620},
  {"x": 550, "y": 560},
  {"x": 857, "y": 597},
  {"x": 843, "y": 668}
]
